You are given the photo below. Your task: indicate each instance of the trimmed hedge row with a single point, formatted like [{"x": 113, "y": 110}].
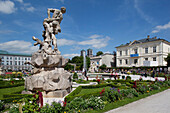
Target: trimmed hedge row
[
  {"x": 8, "y": 98},
  {"x": 76, "y": 92},
  {"x": 11, "y": 85}
]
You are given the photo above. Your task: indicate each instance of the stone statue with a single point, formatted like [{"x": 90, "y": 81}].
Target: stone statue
[{"x": 48, "y": 73}]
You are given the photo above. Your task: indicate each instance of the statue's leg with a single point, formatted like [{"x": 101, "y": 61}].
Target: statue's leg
[{"x": 54, "y": 42}]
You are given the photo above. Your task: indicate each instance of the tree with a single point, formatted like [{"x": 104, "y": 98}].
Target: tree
[
  {"x": 78, "y": 60},
  {"x": 69, "y": 67},
  {"x": 99, "y": 53},
  {"x": 167, "y": 59},
  {"x": 103, "y": 66}
]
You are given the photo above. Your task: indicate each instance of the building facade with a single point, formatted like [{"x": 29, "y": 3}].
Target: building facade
[
  {"x": 14, "y": 61},
  {"x": 144, "y": 52},
  {"x": 97, "y": 61}
]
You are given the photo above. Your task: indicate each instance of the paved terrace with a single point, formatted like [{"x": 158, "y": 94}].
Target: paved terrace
[{"x": 157, "y": 103}]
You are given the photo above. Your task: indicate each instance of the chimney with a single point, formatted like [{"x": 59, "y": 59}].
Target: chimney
[{"x": 148, "y": 37}]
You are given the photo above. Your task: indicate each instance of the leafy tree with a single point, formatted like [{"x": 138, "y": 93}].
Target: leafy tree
[
  {"x": 78, "y": 60},
  {"x": 103, "y": 66},
  {"x": 69, "y": 67},
  {"x": 167, "y": 59},
  {"x": 99, "y": 53}
]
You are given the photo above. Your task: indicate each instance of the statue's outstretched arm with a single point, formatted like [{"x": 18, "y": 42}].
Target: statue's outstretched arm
[{"x": 38, "y": 41}]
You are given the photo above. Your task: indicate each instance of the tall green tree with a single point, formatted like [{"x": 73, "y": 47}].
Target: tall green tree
[
  {"x": 103, "y": 67},
  {"x": 99, "y": 53},
  {"x": 167, "y": 59},
  {"x": 78, "y": 60}
]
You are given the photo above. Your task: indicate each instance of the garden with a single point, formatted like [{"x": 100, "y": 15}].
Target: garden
[{"x": 106, "y": 95}]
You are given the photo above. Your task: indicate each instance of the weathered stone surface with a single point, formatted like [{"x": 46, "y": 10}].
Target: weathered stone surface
[
  {"x": 26, "y": 92},
  {"x": 57, "y": 79},
  {"x": 48, "y": 73},
  {"x": 56, "y": 94}
]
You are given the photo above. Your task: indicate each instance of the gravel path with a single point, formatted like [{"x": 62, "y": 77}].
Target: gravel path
[{"x": 158, "y": 103}]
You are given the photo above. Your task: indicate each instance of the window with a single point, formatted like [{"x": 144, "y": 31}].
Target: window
[
  {"x": 22, "y": 63},
  {"x": 18, "y": 58},
  {"x": 10, "y": 62},
  {"x": 7, "y": 63},
  {"x": 146, "y": 59},
  {"x": 136, "y": 51},
  {"x": 126, "y": 61},
  {"x": 135, "y": 61},
  {"x": 154, "y": 49},
  {"x": 11, "y": 58},
  {"x": 18, "y": 62},
  {"x": 2, "y": 57},
  {"x": 146, "y": 50},
  {"x": 154, "y": 58},
  {"x": 6, "y": 57},
  {"x": 126, "y": 52},
  {"x": 120, "y": 53},
  {"x": 25, "y": 58},
  {"x": 120, "y": 62},
  {"x": 15, "y": 62},
  {"x": 15, "y": 58}
]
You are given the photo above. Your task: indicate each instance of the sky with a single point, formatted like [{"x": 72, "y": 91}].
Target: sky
[{"x": 97, "y": 24}]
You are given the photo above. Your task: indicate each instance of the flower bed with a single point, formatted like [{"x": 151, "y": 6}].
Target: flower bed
[{"x": 106, "y": 99}]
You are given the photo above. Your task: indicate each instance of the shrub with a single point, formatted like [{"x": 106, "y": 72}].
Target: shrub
[
  {"x": 14, "y": 109},
  {"x": 128, "y": 78},
  {"x": 75, "y": 76},
  {"x": 77, "y": 104},
  {"x": 123, "y": 77},
  {"x": 108, "y": 80},
  {"x": 111, "y": 95},
  {"x": 95, "y": 103},
  {"x": 2, "y": 107}
]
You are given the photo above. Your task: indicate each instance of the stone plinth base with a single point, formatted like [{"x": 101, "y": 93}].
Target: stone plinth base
[{"x": 55, "y": 94}]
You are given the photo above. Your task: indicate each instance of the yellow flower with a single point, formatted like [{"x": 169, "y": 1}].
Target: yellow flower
[
  {"x": 79, "y": 110},
  {"x": 65, "y": 112},
  {"x": 147, "y": 91}
]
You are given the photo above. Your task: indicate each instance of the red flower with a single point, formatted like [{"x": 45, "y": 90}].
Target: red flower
[{"x": 64, "y": 102}]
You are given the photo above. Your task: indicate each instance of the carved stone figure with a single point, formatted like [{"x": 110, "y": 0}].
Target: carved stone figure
[{"x": 48, "y": 73}]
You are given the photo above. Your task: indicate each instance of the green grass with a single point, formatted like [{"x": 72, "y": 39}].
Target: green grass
[
  {"x": 92, "y": 90},
  {"x": 10, "y": 90},
  {"x": 117, "y": 104}
]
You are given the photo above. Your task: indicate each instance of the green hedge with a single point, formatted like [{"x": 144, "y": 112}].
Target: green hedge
[
  {"x": 8, "y": 98},
  {"x": 11, "y": 85},
  {"x": 76, "y": 92}
]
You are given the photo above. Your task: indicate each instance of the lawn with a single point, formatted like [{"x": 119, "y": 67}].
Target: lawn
[
  {"x": 92, "y": 90},
  {"x": 10, "y": 90}
]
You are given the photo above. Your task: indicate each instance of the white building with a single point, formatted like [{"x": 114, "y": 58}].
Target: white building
[
  {"x": 144, "y": 52},
  {"x": 97, "y": 61},
  {"x": 14, "y": 61}
]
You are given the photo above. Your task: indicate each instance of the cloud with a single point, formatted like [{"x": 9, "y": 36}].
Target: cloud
[
  {"x": 62, "y": 1},
  {"x": 6, "y": 31},
  {"x": 0, "y": 22},
  {"x": 142, "y": 14},
  {"x": 70, "y": 55},
  {"x": 30, "y": 9},
  {"x": 96, "y": 42},
  {"x": 161, "y": 27},
  {"x": 62, "y": 42},
  {"x": 19, "y": 46},
  {"x": 20, "y": 1},
  {"x": 95, "y": 36},
  {"x": 7, "y": 7}
]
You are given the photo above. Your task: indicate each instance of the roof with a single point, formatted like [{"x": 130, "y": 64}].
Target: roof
[
  {"x": 2, "y": 52},
  {"x": 145, "y": 40}
]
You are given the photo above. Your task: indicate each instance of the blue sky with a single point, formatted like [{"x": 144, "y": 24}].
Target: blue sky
[{"x": 97, "y": 24}]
